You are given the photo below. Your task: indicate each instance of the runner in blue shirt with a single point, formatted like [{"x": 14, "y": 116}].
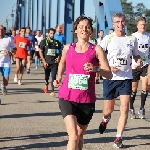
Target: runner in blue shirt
[
  {"x": 31, "y": 48},
  {"x": 59, "y": 35}
]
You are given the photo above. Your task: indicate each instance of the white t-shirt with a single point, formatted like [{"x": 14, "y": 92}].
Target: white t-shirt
[
  {"x": 120, "y": 52},
  {"x": 39, "y": 39},
  {"x": 5, "y": 44},
  {"x": 143, "y": 47},
  {"x": 99, "y": 41}
]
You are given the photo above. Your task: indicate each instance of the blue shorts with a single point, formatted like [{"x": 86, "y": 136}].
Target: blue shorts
[
  {"x": 114, "y": 88},
  {"x": 5, "y": 71}
]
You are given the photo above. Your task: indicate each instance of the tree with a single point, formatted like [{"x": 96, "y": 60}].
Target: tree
[
  {"x": 147, "y": 15},
  {"x": 139, "y": 10},
  {"x": 128, "y": 10},
  {"x": 133, "y": 12}
]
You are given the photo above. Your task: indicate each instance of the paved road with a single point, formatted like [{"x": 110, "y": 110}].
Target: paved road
[{"x": 30, "y": 119}]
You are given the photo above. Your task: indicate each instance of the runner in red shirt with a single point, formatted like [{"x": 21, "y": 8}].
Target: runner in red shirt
[{"x": 22, "y": 45}]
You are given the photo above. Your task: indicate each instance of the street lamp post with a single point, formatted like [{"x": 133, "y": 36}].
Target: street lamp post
[
  {"x": 29, "y": 9},
  {"x": 12, "y": 15},
  {"x": 6, "y": 22}
]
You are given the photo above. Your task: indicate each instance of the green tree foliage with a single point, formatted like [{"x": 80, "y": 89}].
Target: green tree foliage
[{"x": 133, "y": 12}]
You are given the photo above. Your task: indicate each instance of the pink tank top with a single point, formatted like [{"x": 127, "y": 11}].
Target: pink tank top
[{"x": 76, "y": 76}]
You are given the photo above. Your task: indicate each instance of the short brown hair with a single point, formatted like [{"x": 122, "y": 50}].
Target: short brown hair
[
  {"x": 81, "y": 18},
  {"x": 28, "y": 27},
  {"x": 140, "y": 19}
]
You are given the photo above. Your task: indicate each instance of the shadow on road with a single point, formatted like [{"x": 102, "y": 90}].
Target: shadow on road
[
  {"x": 30, "y": 115},
  {"x": 64, "y": 143}
]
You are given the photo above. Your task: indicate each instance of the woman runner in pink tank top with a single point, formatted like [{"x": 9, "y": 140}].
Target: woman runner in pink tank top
[{"x": 77, "y": 91}]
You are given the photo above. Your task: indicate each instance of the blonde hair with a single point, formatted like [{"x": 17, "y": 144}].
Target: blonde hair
[{"x": 140, "y": 19}]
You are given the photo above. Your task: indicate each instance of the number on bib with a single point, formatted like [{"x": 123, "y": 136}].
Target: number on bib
[
  {"x": 78, "y": 81},
  {"x": 119, "y": 62},
  {"x": 51, "y": 52}
]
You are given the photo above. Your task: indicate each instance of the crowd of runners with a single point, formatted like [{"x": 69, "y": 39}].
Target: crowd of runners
[{"x": 119, "y": 59}]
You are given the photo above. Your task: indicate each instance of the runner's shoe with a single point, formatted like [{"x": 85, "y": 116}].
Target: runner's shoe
[
  {"x": 103, "y": 125},
  {"x": 141, "y": 113},
  {"x": 19, "y": 82},
  {"x": 97, "y": 81},
  {"x": 4, "y": 90},
  {"x": 52, "y": 94},
  {"x": 46, "y": 89},
  {"x": 118, "y": 143},
  {"x": 132, "y": 114},
  {"x": 15, "y": 79},
  {"x": 28, "y": 71}
]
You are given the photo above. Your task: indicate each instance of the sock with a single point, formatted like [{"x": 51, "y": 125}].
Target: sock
[
  {"x": 106, "y": 119},
  {"x": 132, "y": 99},
  {"x": 119, "y": 135},
  {"x": 2, "y": 85},
  {"x": 36, "y": 63},
  {"x": 143, "y": 99}
]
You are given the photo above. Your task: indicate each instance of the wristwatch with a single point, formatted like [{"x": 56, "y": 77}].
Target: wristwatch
[{"x": 98, "y": 69}]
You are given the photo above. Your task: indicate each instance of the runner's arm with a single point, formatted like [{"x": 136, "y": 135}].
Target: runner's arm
[
  {"x": 136, "y": 55},
  {"x": 60, "y": 52},
  {"x": 105, "y": 69},
  {"x": 41, "y": 50},
  {"x": 62, "y": 63}
]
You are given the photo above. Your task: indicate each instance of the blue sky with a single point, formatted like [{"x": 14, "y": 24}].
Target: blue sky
[{"x": 6, "y": 9}]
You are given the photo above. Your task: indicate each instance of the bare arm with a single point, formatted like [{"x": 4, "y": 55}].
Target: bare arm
[
  {"x": 105, "y": 70},
  {"x": 148, "y": 74},
  {"x": 62, "y": 63},
  {"x": 41, "y": 55}
]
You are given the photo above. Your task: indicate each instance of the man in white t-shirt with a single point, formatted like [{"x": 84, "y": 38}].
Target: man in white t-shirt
[
  {"x": 143, "y": 50},
  {"x": 5, "y": 44},
  {"x": 120, "y": 50},
  {"x": 39, "y": 38}
]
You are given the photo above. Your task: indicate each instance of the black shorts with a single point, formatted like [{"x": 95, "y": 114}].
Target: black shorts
[
  {"x": 37, "y": 54},
  {"x": 20, "y": 58},
  {"x": 82, "y": 111},
  {"x": 31, "y": 53},
  {"x": 137, "y": 73}
]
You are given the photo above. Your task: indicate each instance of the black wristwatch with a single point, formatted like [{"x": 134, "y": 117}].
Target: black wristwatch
[{"x": 98, "y": 69}]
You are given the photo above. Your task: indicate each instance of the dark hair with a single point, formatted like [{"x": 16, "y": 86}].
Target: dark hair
[
  {"x": 81, "y": 18},
  {"x": 100, "y": 31},
  {"x": 22, "y": 28},
  {"x": 4, "y": 28},
  {"x": 111, "y": 29},
  {"x": 51, "y": 29}
]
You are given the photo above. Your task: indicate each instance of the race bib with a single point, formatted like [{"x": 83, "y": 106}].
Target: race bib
[
  {"x": 78, "y": 81},
  {"x": 118, "y": 62},
  {"x": 22, "y": 44},
  {"x": 51, "y": 52}
]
